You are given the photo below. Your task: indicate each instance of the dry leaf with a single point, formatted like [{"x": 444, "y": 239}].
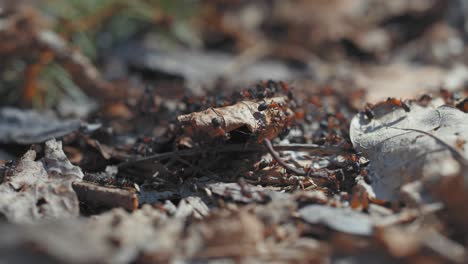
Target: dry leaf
[
  {"x": 28, "y": 126},
  {"x": 245, "y": 193},
  {"x": 217, "y": 122},
  {"x": 398, "y": 154},
  {"x": 339, "y": 219},
  {"x": 41, "y": 189}
]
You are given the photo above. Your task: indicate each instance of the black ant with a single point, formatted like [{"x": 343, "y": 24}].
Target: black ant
[
  {"x": 216, "y": 122},
  {"x": 248, "y": 93},
  {"x": 425, "y": 99},
  {"x": 261, "y": 124},
  {"x": 405, "y": 106},
  {"x": 263, "y": 106},
  {"x": 260, "y": 92},
  {"x": 272, "y": 85},
  {"x": 266, "y": 89},
  {"x": 369, "y": 113}
]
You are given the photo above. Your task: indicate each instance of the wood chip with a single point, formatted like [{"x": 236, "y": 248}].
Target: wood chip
[{"x": 99, "y": 197}]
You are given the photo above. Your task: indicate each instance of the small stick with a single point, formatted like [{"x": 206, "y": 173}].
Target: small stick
[
  {"x": 269, "y": 147},
  {"x": 311, "y": 148}
]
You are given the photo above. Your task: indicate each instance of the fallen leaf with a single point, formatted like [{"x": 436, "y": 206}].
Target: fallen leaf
[
  {"x": 339, "y": 219},
  {"x": 29, "y": 126},
  {"x": 264, "y": 124},
  {"x": 39, "y": 190},
  {"x": 402, "y": 146},
  {"x": 245, "y": 193},
  {"x": 191, "y": 206}
]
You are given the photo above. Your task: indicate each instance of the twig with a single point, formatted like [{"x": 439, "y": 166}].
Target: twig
[
  {"x": 269, "y": 147},
  {"x": 316, "y": 149},
  {"x": 312, "y": 148}
]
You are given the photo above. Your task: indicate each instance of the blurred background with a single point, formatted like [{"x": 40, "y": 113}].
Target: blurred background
[{"x": 58, "y": 53}]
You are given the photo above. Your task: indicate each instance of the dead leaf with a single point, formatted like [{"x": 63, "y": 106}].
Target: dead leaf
[
  {"x": 398, "y": 153},
  {"x": 264, "y": 124},
  {"x": 405, "y": 242},
  {"x": 191, "y": 206},
  {"x": 339, "y": 219},
  {"x": 226, "y": 234},
  {"x": 245, "y": 193},
  {"x": 39, "y": 190},
  {"x": 113, "y": 237},
  {"x": 28, "y": 126}
]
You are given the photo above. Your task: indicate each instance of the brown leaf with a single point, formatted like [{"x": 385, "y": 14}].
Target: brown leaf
[{"x": 217, "y": 122}]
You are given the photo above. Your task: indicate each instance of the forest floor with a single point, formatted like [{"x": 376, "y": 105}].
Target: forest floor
[{"x": 233, "y": 131}]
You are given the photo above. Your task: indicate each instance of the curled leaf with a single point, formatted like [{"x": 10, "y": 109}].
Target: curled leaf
[{"x": 265, "y": 118}]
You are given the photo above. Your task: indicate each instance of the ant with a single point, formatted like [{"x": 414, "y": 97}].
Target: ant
[
  {"x": 368, "y": 112},
  {"x": 284, "y": 86},
  {"x": 447, "y": 95},
  {"x": 276, "y": 105},
  {"x": 272, "y": 85},
  {"x": 463, "y": 105},
  {"x": 261, "y": 124},
  {"x": 398, "y": 103},
  {"x": 286, "y": 89},
  {"x": 262, "y": 107},
  {"x": 260, "y": 91},
  {"x": 266, "y": 89},
  {"x": 425, "y": 99},
  {"x": 216, "y": 122},
  {"x": 354, "y": 163},
  {"x": 247, "y": 93}
]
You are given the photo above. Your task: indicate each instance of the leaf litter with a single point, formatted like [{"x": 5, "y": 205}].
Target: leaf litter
[{"x": 204, "y": 165}]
